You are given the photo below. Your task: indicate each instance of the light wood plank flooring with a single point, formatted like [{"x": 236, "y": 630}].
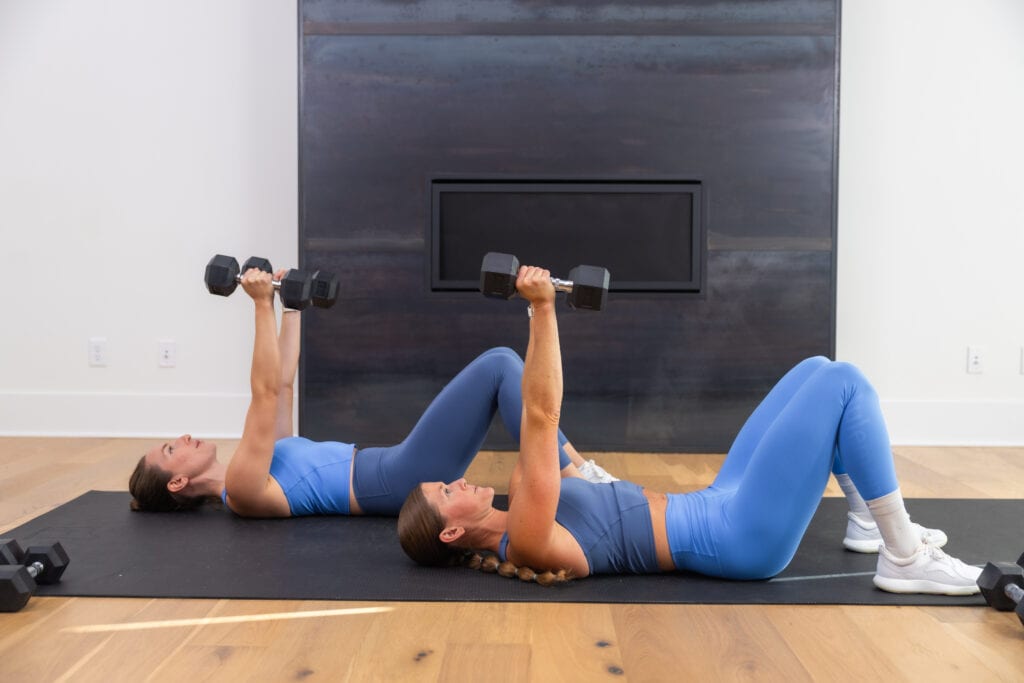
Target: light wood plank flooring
[{"x": 90, "y": 639}]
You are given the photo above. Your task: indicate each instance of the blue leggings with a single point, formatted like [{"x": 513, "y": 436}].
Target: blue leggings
[
  {"x": 448, "y": 435},
  {"x": 749, "y": 522}
]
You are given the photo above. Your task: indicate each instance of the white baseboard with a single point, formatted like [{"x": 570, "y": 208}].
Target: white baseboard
[
  {"x": 955, "y": 423},
  {"x": 129, "y": 415},
  {"x": 221, "y": 416}
]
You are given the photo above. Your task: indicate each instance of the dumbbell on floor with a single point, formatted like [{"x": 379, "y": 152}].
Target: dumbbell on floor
[
  {"x": 1002, "y": 586},
  {"x": 22, "y": 570},
  {"x": 298, "y": 289},
  {"x": 587, "y": 286}
]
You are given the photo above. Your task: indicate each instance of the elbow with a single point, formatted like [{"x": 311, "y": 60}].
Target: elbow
[
  {"x": 264, "y": 390},
  {"x": 544, "y": 415}
]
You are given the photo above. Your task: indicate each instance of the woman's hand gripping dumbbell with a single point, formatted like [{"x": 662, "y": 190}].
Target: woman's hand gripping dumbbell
[
  {"x": 298, "y": 288},
  {"x": 587, "y": 286}
]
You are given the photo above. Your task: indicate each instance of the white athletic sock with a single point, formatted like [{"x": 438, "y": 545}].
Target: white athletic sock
[
  {"x": 853, "y": 499},
  {"x": 894, "y": 524}
]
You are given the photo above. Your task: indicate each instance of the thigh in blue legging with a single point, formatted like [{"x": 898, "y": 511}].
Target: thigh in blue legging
[
  {"x": 749, "y": 526},
  {"x": 448, "y": 435},
  {"x": 763, "y": 416}
]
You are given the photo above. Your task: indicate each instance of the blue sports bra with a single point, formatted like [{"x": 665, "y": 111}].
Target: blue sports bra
[
  {"x": 314, "y": 475},
  {"x": 612, "y": 524}
]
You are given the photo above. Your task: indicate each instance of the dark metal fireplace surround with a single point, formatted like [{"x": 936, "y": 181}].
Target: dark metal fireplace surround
[{"x": 689, "y": 147}]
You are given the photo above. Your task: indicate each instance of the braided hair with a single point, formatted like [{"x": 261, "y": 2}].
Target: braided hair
[
  {"x": 490, "y": 563},
  {"x": 419, "y": 530}
]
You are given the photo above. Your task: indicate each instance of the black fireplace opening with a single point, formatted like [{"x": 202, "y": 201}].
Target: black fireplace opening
[{"x": 648, "y": 234}]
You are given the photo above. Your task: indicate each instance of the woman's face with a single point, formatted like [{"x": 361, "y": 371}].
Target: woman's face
[
  {"x": 184, "y": 455},
  {"x": 459, "y": 501}
]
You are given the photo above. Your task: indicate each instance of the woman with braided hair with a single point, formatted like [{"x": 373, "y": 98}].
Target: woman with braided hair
[
  {"x": 276, "y": 474},
  {"x": 746, "y": 525}
]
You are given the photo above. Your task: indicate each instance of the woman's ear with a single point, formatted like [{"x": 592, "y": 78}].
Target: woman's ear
[
  {"x": 177, "y": 483},
  {"x": 451, "y": 533}
]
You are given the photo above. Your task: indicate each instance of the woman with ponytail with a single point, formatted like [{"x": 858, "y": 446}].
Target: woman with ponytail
[{"x": 821, "y": 417}]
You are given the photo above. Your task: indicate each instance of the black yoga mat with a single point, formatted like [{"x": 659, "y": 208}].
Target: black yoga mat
[{"x": 214, "y": 554}]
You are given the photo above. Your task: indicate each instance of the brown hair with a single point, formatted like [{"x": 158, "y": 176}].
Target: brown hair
[
  {"x": 419, "y": 532},
  {"x": 148, "y": 486}
]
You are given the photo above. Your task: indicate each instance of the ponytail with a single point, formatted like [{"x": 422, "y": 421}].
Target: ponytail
[
  {"x": 491, "y": 564},
  {"x": 419, "y": 530}
]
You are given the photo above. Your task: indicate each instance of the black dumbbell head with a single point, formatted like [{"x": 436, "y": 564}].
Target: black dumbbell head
[
  {"x": 498, "y": 275},
  {"x": 589, "y": 287},
  {"x": 54, "y": 559},
  {"x": 993, "y": 581},
  {"x": 16, "y": 587},
  {"x": 325, "y": 289},
  {"x": 222, "y": 275},
  {"x": 259, "y": 263},
  {"x": 296, "y": 289},
  {"x": 11, "y": 552}
]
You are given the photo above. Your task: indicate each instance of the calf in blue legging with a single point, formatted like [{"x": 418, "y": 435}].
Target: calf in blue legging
[{"x": 822, "y": 416}]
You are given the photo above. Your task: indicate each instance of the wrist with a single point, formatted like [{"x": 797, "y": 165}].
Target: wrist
[{"x": 540, "y": 307}]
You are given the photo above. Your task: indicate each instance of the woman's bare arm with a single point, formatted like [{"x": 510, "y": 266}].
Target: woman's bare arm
[
  {"x": 531, "y": 521},
  {"x": 288, "y": 342},
  {"x": 248, "y": 473}
]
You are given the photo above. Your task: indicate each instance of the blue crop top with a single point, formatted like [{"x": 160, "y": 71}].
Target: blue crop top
[
  {"x": 314, "y": 475},
  {"x": 612, "y": 524}
]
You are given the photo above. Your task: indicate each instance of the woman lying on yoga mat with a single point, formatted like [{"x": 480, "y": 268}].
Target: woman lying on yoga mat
[
  {"x": 273, "y": 474},
  {"x": 746, "y": 525}
]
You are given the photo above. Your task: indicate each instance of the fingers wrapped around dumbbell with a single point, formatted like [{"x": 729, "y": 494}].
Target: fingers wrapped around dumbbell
[
  {"x": 258, "y": 284},
  {"x": 534, "y": 284}
]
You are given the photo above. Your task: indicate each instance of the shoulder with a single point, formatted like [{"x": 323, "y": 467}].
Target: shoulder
[
  {"x": 562, "y": 552},
  {"x": 269, "y": 502}
]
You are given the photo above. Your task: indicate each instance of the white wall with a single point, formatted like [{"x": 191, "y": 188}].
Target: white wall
[
  {"x": 137, "y": 139},
  {"x": 931, "y": 213}
]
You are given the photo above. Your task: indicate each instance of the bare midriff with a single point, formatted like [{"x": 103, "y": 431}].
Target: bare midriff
[{"x": 658, "y": 504}]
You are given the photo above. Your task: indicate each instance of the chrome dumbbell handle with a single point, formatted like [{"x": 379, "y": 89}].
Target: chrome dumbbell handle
[{"x": 562, "y": 285}]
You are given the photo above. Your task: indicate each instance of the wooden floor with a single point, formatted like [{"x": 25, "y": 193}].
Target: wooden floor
[{"x": 92, "y": 639}]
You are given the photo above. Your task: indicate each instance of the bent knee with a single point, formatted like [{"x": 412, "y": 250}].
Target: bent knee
[
  {"x": 499, "y": 353},
  {"x": 849, "y": 375}
]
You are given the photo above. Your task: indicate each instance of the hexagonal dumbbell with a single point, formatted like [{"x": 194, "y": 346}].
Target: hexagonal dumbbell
[
  {"x": 1002, "y": 586},
  {"x": 298, "y": 288},
  {"x": 23, "y": 570},
  {"x": 587, "y": 286}
]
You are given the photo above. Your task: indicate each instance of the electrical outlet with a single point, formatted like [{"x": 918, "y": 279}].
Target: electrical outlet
[
  {"x": 975, "y": 360},
  {"x": 98, "y": 352},
  {"x": 167, "y": 353}
]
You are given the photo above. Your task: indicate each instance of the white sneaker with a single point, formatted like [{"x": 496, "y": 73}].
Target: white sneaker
[
  {"x": 928, "y": 570},
  {"x": 593, "y": 472},
  {"x": 863, "y": 537}
]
